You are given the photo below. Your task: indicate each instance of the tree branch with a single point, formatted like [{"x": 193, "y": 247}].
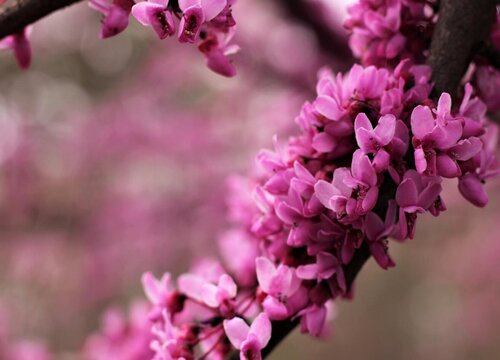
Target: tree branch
[
  {"x": 17, "y": 14},
  {"x": 462, "y": 28}
]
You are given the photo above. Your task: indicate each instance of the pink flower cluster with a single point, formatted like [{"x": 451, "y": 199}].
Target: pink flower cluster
[
  {"x": 207, "y": 22},
  {"x": 373, "y": 150},
  {"x": 390, "y": 30},
  {"x": 372, "y": 153}
]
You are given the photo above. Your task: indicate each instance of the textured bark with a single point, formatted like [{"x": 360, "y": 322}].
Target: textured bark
[
  {"x": 17, "y": 14},
  {"x": 462, "y": 29}
]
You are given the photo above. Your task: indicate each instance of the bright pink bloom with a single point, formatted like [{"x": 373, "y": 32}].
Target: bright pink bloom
[
  {"x": 155, "y": 13},
  {"x": 433, "y": 136},
  {"x": 213, "y": 295},
  {"x": 377, "y": 232},
  {"x": 116, "y": 15},
  {"x": 313, "y": 320},
  {"x": 372, "y": 141},
  {"x": 216, "y": 49},
  {"x": 195, "y": 13},
  {"x": 283, "y": 287},
  {"x": 352, "y": 192},
  {"x": 250, "y": 340}
]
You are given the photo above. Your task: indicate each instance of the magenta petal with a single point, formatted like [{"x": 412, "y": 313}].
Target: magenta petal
[
  {"x": 447, "y": 167},
  {"x": 381, "y": 161},
  {"x": 370, "y": 199},
  {"x": 143, "y": 12},
  {"x": 308, "y": 272},
  {"x": 115, "y": 21},
  {"x": 422, "y": 121},
  {"x": 385, "y": 129},
  {"x": 373, "y": 226},
  {"x": 407, "y": 193},
  {"x": 265, "y": 272},
  {"x": 366, "y": 140},
  {"x": 471, "y": 188},
  {"x": 328, "y": 107},
  {"x": 192, "y": 286},
  {"x": 314, "y": 320},
  {"x": 466, "y": 149},
  {"x": 444, "y": 104},
  {"x": 362, "y": 122},
  {"x": 362, "y": 169},
  {"x": 219, "y": 63},
  {"x": 324, "y": 192},
  {"x": 323, "y": 142},
  {"x": 275, "y": 309},
  {"x": 212, "y": 8},
  {"x": 379, "y": 252},
  {"x": 236, "y": 330},
  {"x": 429, "y": 195},
  {"x": 190, "y": 24},
  {"x": 287, "y": 213},
  {"x": 420, "y": 160}
]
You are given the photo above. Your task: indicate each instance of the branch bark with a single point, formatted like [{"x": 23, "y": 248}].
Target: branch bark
[
  {"x": 17, "y": 14},
  {"x": 463, "y": 26}
]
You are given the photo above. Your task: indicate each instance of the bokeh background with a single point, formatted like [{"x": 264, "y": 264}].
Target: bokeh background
[{"x": 114, "y": 160}]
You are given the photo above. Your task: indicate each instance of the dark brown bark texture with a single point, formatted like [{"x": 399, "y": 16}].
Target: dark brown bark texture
[
  {"x": 461, "y": 31},
  {"x": 17, "y": 14}
]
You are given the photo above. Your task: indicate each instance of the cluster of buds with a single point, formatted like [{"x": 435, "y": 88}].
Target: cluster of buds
[{"x": 386, "y": 31}]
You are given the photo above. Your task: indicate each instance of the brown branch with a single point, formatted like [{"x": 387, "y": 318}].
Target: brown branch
[
  {"x": 462, "y": 28},
  {"x": 17, "y": 14}
]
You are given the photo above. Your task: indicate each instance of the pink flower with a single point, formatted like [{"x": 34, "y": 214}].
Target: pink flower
[
  {"x": 283, "y": 287},
  {"x": 483, "y": 167},
  {"x": 250, "y": 340},
  {"x": 213, "y": 295},
  {"x": 488, "y": 83},
  {"x": 372, "y": 141},
  {"x": 216, "y": 49},
  {"x": 116, "y": 15},
  {"x": 312, "y": 319},
  {"x": 415, "y": 194},
  {"x": 433, "y": 136},
  {"x": 155, "y": 13},
  {"x": 352, "y": 192},
  {"x": 161, "y": 294},
  {"x": 377, "y": 232},
  {"x": 325, "y": 267},
  {"x": 20, "y": 45},
  {"x": 195, "y": 13}
]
